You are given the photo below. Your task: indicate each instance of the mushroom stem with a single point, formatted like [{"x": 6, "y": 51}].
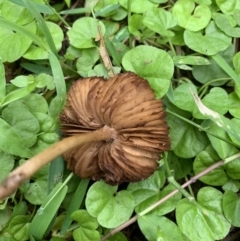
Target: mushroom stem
[{"x": 27, "y": 169}]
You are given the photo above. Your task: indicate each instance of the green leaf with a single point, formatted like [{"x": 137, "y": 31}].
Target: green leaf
[
  {"x": 160, "y": 21},
  {"x": 87, "y": 60},
  {"x": 230, "y": 127},
  {"x": 146, "y": 61},
  {"x": 88, "y": 225},
  {"x": 211, "y": 43},
  {"x": 46, "y": 212},
  {"x": 187, "y": 141},
  {"x": 106, "y": 8},
  {"x": 227, "y": 7},
  {"x": 36, "y": 52},
  {"x": 183, "y": 98},
  {"x": 155, "y": 227},
  {"x": 223, "y": 23},
  {"x": 22, "y": 121},
  {"x": 144, "y": 189},
  {"x": 75, "y": 203},
  {"x": 205, "y": 159},
  {"x": 231, "y": 185},
  {"x": 213, "y": 71},
  {"x": 117, "y": 237},
  {"x": 7, "y": 163},
  {"x": 11, "y": 142},
  {"x": 191, "y": 60},
  {"x": 223, "y": 148},
  {"x": 14, "y": 42},
  {"x": 18, "y": 228},
  {"x": 83, "y": 32},
  {"x": 139, "y": 7},
  {"x": 110, "y": 208},
  {"x": 217, "y": 100},
  {"x": 45, "y": 80},
  {"x": 191, "y": 17},
  {"x": 204, "y": 221},
  {"x": 231, "y": 207}
]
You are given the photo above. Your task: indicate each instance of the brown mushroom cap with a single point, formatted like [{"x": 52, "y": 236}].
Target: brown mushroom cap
[{"x": 128, "y": 104}]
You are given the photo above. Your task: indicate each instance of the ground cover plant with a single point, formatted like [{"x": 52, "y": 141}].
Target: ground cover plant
[{"x": 188, "y": 51}]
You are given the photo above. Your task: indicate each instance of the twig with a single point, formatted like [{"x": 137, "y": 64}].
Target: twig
[
  {"x": 25, "y": 171},
  {"x": 192, "y": 180}
]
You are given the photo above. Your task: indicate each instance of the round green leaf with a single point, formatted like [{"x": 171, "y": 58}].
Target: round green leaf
[
  {"x": 206, "y": 73},
  {"x": 138, "y": 6},
  {"x": 224, "y": 24},
  {"x": 231, "y": 207},
  {"x": 216, "y": 100},
  {"x": 209, "y": 44},
  {"x": 22, "y": 121},
  {"x": 36, "y": 52},
  {"x": 83, "y": 32},
  {"x": 187, "y": 141},
  {"x": 155, "y": 227},
  {"x": 204, "y": 221},
  {"x": 106, "y": 8},
  {"x": 227, "y": 7},
  {"x": 110, "y": 208},
  {"x": 191, "y": 17},
  {"x": 203, "y": 160},
  {"x": 147, "y": 62},
  {"x": 160, "y": 21},
  {"x": 231, "y": 185},
  {"x": 87, "y": 226},
  {"x": 183, "y": 97},
  {"x": 14, "y": 45}
]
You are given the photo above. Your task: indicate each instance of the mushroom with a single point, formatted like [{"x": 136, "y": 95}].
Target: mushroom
[
  {"x": 114, "y": 130},
  {"x": 127, "y": 105}
]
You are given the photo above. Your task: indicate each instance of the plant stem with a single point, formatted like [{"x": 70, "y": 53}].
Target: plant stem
[
  {"x": 186, "y": 184},
  {"x": 25, "y": 171}
]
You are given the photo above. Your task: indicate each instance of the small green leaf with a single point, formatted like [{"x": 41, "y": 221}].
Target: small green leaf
[
  {"x": 11, "y": 142},
  {"x": 231, "y": 207},
  {"x": 217, "y": 100},
  {"x": 18, "y": 228},
  {"x": 36, "y": 52},
  {"x": 155, "y": 227},
  {"x": 231, "y": 185},
  {"x": 223, "y": 23},
  {"x": 227, "y": 7},
  {"x": 110, "y": 208},
  {"x": 202, "y": 161},
  {"x": 22, "y": 121},
  {"x": 213, "y": 71},
  {"x": 14, "y": 42},
  {"x": 146, "y": 61},
  {"x": 160, "y": 21},
  {"x": 191, "y": 17},
  {"x": 191, "y": 60},
  {"x": 183, "y": 98},
  {"x": 211, "y": 43},
  {"x": 83, "y": 32},
  {"x": 87, "y": 60},
  {"x": 88, "y": 225},
  {"x": 187, "y": 141},
  {"x": 204, "y": 221}
]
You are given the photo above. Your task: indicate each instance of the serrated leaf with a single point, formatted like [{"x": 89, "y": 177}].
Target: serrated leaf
[{"x": 110, "y": 208}]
